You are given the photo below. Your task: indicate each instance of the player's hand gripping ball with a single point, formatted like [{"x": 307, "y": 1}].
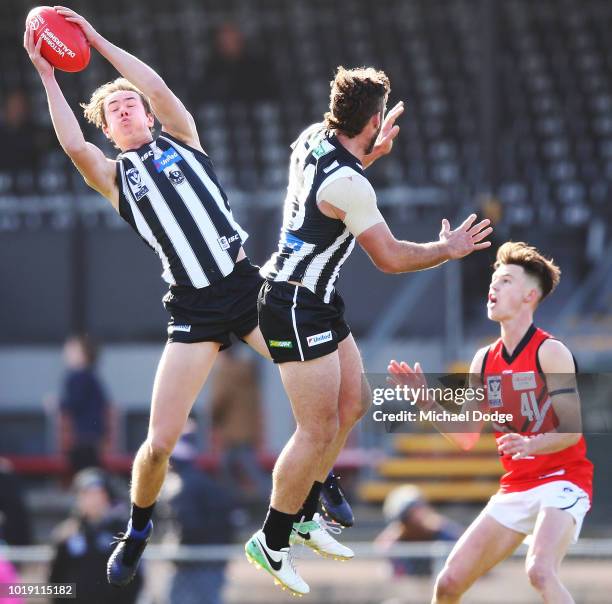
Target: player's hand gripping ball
[{"x": 64, "y": 45}]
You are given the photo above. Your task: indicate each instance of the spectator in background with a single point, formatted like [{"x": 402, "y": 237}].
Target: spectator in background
[
  {"x": 15, "y": 527},
  {"x": 26, "y": 141},
  {"x": 411, "y": 518},
  {"x": 85, "y": 412},
  {"x": 236, "y": 423},
  {"x": 84, "y": 542},
  {"x": 237, "y": 72},
  {"x": 202, "y": 512}
]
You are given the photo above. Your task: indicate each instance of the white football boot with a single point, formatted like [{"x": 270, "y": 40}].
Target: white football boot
[
  {"x": 314, "y": 533},
  {"x": 278, "y": 563}
]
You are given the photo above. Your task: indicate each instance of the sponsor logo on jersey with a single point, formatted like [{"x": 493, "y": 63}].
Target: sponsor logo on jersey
[
  {"x": 146, "y": 155},
  {"x": 173, "y": 328},
  {"x": 319, "y": 338},
  {"x": 176, "y": 176},
  {"x": 291, "y": 241},
  {"x": 225, "y": 242},
  {"x": 141, "y": 192},
  {"x": 168, "y": 158},
  {"x": 323, "y": 148},
  {"x": 280, "y": 343},
  {"x": 494, "y": 391},
  {"x": 524, "y": 380}
]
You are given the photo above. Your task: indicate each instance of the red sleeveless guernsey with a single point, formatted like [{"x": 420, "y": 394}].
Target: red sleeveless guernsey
[{"x": 515, "y": 384}]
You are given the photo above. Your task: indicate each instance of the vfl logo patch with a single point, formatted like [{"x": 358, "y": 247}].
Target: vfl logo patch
[
  {"x": 280, "y": 343},
  {"x": 133, "y": 175},
  {"x": 494, "y": 391},
  {"x": 138, "y": 187},
  {"x": 176, "y": 176},
  {"x": 319, "y": 338},
  {"x": 173, "y": 328},
  {"x": 168, "y": 158}
]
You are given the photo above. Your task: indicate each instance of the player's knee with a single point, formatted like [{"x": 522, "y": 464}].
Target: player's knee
[
  {"x": 354, "y": 406},
  {"x": 321, "y": 433},
  {"x": 449, "y": 584},
  {"x": 540, "y": 572},
  {"x": 159, "y": 449}
]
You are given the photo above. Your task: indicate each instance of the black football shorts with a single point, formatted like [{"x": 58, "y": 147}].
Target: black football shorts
[
  {"x": 297, "y": 325},
  {"x": 212, "y": 313}
]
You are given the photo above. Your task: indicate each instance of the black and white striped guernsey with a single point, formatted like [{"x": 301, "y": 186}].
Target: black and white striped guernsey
[
  {"x": 170, "y": 195},
  {"x": 312, "y": 246}
]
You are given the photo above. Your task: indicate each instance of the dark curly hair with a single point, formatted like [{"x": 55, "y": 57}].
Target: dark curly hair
[{"x": 356, "y": 95}]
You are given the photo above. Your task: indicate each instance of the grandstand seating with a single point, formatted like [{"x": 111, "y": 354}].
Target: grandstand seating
[
  {"x": 555, "y": 81},
  {"x": 438, "y": 468}
]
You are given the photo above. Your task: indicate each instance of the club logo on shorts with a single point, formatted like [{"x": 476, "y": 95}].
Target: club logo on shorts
[
  {"x": 173, "y": 328},
  {"x": 494, "y": 391},
  {"x": 319, "y": 338},
  {"x": 280, "y": 343}
]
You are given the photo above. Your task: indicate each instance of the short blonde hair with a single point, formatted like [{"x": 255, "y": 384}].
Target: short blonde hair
[
  {"x": 94, "y": 110},
  {"x": 542, "y": 269}
]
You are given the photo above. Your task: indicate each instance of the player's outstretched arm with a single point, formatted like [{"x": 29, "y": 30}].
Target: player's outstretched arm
[
  {"x": 97, "y": 170},
  {"x": 464, "y": 435},
  {"x": 559, "y": 368},
  {"x": 393, "y": 256},
  {"x": 168, "y": 108}
]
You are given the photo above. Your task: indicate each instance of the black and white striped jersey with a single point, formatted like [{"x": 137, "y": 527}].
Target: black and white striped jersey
[
  {"x": 312, "y": 246},
  {"x": 169, "y": 194}
]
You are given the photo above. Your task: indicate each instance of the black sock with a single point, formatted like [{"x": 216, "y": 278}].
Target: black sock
[
  {"x": 277, "y": 528},
  {"x": 311, "y": 505},
  {"x": 141, "y": 516}
]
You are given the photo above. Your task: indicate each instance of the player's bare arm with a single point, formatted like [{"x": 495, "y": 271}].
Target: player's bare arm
[
  {"x": 97, "y": 170},
  {"x": 167, "y": 107},
  {"x": 391, "y": 255},
  {"x": 558, "y": 365},
  {"x": 403, "y": 374}
]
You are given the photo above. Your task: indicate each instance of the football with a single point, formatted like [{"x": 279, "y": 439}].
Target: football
[{"x": 64, "y": 44}]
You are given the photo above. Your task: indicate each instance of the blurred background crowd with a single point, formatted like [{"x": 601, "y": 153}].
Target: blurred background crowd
[{"x": 508, "y": 113}]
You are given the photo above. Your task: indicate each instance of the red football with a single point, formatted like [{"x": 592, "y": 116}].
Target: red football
[{"x": 64, "y": 44}]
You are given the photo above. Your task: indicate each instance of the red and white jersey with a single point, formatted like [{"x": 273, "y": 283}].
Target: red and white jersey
[{"x": 514, "y": 384}]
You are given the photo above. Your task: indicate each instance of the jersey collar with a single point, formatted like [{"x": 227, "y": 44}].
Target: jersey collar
[
  {"x": 332, "y": 137},
  {"x": 520, "y": 346}
]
